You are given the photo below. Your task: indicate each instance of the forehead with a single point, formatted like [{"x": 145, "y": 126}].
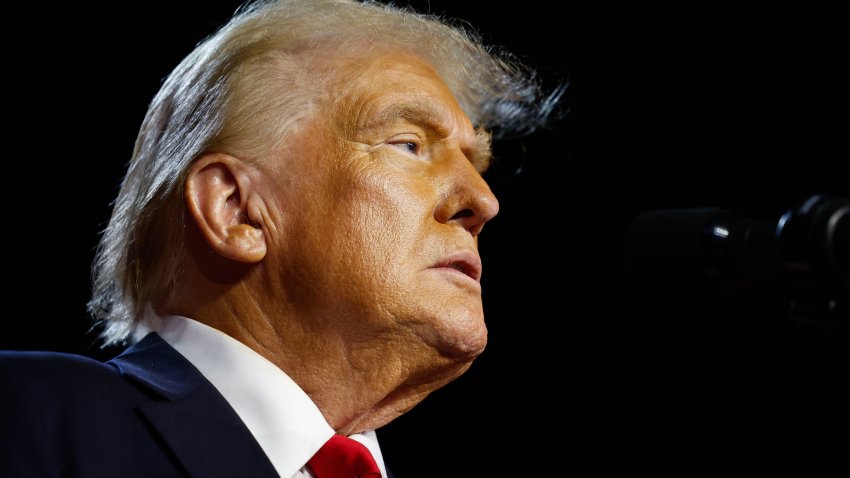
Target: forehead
[
  {"x": 372, "y": 97},
  {"x": 395, "y": 84}
]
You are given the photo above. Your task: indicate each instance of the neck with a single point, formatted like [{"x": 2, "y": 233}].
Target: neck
[{"x": 358, "y": 377}]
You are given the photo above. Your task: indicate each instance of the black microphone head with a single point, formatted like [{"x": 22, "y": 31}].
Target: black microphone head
[
  {"x": 689, "y": 244},
  {"x": 814, "y": 239}
]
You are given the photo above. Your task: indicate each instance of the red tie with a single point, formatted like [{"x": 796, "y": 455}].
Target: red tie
[{"x": 342, "y": 457}]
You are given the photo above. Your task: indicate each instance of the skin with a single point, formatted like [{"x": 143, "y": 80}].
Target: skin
[{"x": 347, "y": 258}]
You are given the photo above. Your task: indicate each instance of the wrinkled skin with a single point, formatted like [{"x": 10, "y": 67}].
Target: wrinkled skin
[{"x": 360, "y": 237}]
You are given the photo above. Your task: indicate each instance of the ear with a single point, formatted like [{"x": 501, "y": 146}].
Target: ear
[{"x": 221, "y": 200}]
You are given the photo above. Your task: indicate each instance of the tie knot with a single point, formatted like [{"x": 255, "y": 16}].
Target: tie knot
[{"x": 342, "y": 457}]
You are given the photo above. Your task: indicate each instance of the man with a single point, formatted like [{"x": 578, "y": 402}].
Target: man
[{"x": 292, "y": 254}]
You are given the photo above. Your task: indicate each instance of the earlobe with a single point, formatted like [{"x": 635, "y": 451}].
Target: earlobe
[
  {"x": 218, "y": 190},
  {"x": 248, "y": 240}
]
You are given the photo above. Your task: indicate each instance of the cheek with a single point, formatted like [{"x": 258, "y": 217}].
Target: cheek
[{"x": 389, "y": 217}]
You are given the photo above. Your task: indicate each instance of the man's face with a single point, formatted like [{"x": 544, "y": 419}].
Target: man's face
[{"x": 378, "y": 204}]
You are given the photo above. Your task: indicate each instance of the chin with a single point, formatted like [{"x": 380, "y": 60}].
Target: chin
[
  {"x": 448, "y": 320},
  {"x": 462, "y": 336},
  {"x": 469, "y": 347}
]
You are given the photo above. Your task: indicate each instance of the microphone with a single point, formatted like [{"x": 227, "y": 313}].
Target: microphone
[{"x": 806, "y": 251}]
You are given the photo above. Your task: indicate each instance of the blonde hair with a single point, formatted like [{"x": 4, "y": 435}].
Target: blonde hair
[{"x": 241, "y": 91}]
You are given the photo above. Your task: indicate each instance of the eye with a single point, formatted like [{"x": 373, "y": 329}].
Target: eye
[{"x": 411, "y": 147}]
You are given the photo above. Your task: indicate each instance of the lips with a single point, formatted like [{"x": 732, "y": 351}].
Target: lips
[{"x": 464, "y": 261}]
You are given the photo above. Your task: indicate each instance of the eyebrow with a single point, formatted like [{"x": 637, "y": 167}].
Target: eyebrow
[
  {"x": 482, "y": 153},
  {"x": 423, "y": 114}
]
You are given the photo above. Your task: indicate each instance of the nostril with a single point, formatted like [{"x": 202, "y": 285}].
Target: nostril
[{"x": 463, "y": 214}]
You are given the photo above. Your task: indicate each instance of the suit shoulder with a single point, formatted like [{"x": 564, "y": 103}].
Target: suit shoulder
[
  {"x": 29, "y": 365},
  {"x": 70, "y": 415},
  {"x": 37, "y": 358},
  {"x": 54, "y": 378}
]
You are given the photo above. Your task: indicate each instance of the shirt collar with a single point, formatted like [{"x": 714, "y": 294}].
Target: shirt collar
[{"x": 284, "y": 421}]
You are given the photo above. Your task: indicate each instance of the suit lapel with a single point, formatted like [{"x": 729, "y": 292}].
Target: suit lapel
[{"x": 190, "y": 416}]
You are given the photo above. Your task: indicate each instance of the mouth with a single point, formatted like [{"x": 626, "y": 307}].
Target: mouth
[{"x": 465, "y": 262}]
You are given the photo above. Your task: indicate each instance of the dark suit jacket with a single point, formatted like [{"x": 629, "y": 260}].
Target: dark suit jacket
[{"x": 147, "y": 413}]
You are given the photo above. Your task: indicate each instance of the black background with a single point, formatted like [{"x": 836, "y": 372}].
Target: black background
[{"x": 676, "y": 107}]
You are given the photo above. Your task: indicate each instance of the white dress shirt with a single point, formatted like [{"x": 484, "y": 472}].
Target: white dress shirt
[{"x": 284, "y": 421}]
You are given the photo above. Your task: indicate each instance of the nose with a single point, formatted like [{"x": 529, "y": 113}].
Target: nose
[{"x": 467, "y": 199}]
